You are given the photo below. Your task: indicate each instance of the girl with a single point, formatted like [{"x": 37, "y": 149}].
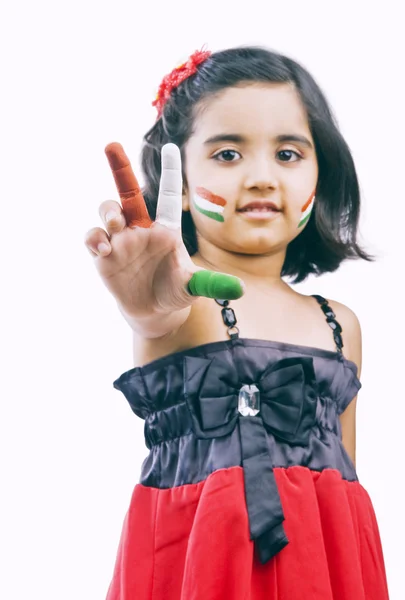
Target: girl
[{"x": 247, "y": 387}]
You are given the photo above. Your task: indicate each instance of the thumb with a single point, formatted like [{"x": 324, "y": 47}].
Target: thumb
[{"x": 218, "y": 286}]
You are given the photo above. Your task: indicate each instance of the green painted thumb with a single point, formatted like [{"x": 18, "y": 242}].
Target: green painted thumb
[{"x": 215, "y": 285}]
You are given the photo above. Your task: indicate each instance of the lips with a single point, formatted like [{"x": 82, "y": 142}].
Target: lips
[{"x": 259, "y": 207}]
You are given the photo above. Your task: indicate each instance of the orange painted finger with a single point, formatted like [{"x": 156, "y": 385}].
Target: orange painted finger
[{"x": 133, "y": 203}]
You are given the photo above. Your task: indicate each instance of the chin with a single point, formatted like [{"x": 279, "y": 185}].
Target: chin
[{"x": 262, "y": 242}]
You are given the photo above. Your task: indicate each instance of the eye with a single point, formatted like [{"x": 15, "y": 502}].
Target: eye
[
  {"x": 288, "y": 155},
  {"x": 226, "y": 156}
]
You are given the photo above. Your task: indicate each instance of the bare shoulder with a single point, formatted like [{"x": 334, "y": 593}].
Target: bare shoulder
[
  {"x": 351, "y": 331},
  {"x": 346, "y": 316}
]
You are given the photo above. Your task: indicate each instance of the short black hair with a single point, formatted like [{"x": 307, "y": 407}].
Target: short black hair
[{"x": 330, "y": 235}]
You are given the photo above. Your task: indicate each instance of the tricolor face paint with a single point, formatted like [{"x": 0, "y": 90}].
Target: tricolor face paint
[
  {"x": 306, "y": 211},
  {"x": 209, "y": 204}
]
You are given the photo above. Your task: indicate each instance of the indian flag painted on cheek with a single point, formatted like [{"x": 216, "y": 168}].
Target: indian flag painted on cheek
[
  {"x": 306, "y": 210},
  {"x": 209, "y": 204}
]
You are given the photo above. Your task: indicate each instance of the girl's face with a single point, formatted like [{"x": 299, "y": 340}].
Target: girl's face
[{"x": 250, "y": 146}]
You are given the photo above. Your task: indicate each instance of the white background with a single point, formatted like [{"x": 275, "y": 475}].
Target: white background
[{"x": 75, "y": 76}]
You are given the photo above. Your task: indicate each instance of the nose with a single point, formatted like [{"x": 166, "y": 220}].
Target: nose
[{"x": 261, "y": 174}]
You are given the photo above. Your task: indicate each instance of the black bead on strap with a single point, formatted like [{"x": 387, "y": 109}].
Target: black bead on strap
[
  {"x": 229, "y": 318},
  {"x": 331, "y": 321}
]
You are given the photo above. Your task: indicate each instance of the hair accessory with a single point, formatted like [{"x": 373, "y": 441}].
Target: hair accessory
[{"x": 177, "y": 76}]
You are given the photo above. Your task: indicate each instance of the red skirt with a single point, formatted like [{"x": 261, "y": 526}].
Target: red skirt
[{"x": 192, "y": 542}]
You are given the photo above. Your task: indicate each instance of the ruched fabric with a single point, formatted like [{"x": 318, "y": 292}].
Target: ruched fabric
[{"x": 247, "y": 492}]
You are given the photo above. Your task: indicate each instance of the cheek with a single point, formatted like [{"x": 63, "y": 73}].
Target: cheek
[
  {"x": 209, "y": 205},
  {"x": 306, "y": 210},
  {"x": 209, "y": 227},
  {"x": 301, "y": 195}
]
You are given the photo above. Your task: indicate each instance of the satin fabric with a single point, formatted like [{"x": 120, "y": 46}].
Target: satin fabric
[
  {"x": 204, "y": 455},
  {"x": 192, "y": 542}
]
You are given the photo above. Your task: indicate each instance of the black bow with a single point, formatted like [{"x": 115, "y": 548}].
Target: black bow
[{"x": 287, "y": 410}]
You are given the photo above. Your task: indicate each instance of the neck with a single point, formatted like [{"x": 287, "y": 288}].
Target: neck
[{"x": 262, "y": 270}]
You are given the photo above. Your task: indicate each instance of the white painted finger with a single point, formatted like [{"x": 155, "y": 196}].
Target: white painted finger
[{"x": 169, "y": 206}]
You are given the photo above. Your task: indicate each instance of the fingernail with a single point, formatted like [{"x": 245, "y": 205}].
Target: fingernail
[
  {"x": 110, "y": 216},
  {"x": 103, "y": 248}
]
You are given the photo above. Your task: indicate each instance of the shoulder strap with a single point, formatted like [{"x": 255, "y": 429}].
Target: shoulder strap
[
  {"x": 229, "y": 318},
  {"x": 331, "y": 321}
]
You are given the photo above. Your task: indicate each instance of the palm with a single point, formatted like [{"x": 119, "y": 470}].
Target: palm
[{"x": 148, "y": 270}]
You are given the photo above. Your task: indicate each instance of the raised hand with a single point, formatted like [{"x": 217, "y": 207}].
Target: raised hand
[{"x": 145, "y": 264}]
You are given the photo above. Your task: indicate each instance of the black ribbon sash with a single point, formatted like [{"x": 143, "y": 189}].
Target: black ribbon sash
[{"x": 287, "y": 410}]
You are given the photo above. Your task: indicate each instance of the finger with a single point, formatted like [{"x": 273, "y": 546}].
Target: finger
[
  {"x": 97, "y": 242},
  {"x": 133, "y": 203},
  {"x": 169, "y": 206},
  {"x": 219, "y": 286},
  {"x": 112, "y": 216}
]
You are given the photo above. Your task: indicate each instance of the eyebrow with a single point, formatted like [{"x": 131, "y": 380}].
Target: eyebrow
[{"x": 240, "y": 139}]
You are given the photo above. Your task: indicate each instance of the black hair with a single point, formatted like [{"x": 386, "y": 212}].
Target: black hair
[{"x": 330, "y": 234}]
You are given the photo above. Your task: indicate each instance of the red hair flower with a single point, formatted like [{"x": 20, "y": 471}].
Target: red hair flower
[{"x": 177, "y": 76}]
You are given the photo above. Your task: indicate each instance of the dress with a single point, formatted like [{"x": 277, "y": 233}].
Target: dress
[{"x": 247, "y": 492}]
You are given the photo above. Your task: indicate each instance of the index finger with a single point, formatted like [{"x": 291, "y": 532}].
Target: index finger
[{"x": 133, "y": 203}]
